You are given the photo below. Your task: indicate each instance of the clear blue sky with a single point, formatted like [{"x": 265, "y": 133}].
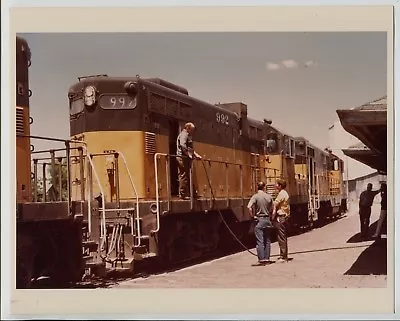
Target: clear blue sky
[{"x": 296, "y": 79}]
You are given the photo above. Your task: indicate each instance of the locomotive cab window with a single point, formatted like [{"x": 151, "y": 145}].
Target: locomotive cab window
[
  {"x": 300, "y": 148},
  {"x": 335, "y": 165},
  {"x": 272, "y": 143},
  {"x": 76, "y": 106},
  {"x": 291, "y": 148}
]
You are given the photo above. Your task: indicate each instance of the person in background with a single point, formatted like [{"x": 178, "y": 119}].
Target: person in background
[
  {"x": 184, "y": 156},
  {"x": 263, "y": 204},
  {"x": 366, "y": 200},
  {"x": 280, "y": 216},
  {"x": 382, "y": 216}
]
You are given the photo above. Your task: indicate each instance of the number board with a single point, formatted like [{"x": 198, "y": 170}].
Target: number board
[
  {"x": 117, "y": 101},
  {"x": 222, "y": 118}
]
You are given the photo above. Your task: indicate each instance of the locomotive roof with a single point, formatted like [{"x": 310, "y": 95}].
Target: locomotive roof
[
  {"x": 155, "y": 83},
  {"x": 182, "y": 94}
]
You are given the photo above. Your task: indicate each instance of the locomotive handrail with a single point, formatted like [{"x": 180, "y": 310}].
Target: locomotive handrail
[
  {"x": 156, "y": 155},
  {"x": 226, "y": 163},
  {"x": 136, "y": 208},
  {"x": 318, "y": 205},
  {"x": 137, "y": 200},
  {"x": 52, "y": 150},
  {"x": 103, "y": 225},
  {"x": 67, "y": 142}
]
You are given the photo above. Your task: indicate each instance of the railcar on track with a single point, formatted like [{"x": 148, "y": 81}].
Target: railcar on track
[{"x": 120, "y": 201}]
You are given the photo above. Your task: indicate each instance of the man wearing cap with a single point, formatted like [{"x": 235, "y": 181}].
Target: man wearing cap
[
  {"x": 185, "y": 154},
  {"x": 263, "y": 204}
]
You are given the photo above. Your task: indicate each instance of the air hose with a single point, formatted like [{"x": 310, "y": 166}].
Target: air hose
[{"x": 222, "y": 217}]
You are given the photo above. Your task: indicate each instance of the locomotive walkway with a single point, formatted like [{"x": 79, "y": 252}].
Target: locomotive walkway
[{"x": 330, "y": 256}]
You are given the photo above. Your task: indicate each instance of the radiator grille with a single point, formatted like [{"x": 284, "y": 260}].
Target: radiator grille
[
  {"x": 271, "y": 190},
  {"x": 20, "y": 120},
  {"x": 150, "y": 143}
]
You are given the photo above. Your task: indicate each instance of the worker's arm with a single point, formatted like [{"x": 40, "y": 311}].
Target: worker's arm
[
  {"x": 250, "y": 206},
  {"x": 197, "y": 155},
  {"x": 377, "y": 192},
  {"x": 276, "y": 203}
]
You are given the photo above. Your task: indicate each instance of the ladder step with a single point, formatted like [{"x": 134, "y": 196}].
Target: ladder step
[
  {"x": 78, "y": 216},
  {"x": 148, "y": 255},
  {"x": 90, "y": 261},
  {"x": 91, "y": 245},
  {"x": 140, "y": 249}
]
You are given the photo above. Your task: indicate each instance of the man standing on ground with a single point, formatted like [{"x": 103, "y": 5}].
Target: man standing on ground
[
  {"x": 185, "y": 154},
  {"x": 382, "y": 216},
  {"x": 366, "y": 200},
  {"x": 280, "y": 217},
  {"x": 263, "y": 210}
]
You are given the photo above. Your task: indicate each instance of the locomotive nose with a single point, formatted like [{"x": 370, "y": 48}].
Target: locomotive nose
[{"x": 130, "y": 87}]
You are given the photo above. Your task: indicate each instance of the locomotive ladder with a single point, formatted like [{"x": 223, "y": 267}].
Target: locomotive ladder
[
  {"x": 314, "y": 202},
  {"x": 117, "y": 229}
]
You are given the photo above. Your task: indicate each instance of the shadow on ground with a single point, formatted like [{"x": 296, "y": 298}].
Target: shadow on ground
[
  {"x": 372, "y": 261},
  {"x": 356, "y": 238}
]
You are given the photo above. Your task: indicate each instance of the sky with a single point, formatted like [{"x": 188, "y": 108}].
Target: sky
[{"x": 297, "y": 79}]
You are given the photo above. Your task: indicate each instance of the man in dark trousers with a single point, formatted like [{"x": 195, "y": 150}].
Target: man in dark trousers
[
  {"x": 185, "y": 154},
  {"x": 263, "y": 204},
  {"x": 280, "y": 217},
  {"x": 382, "y": 216},
  {"x": 366, "y": 200}
]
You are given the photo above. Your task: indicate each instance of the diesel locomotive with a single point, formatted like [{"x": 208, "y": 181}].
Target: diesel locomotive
[{"x": 121, "y": 172}]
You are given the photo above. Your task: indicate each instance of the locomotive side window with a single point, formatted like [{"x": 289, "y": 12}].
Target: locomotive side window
[
  {"x": 272, "y": 143},
  {"x": 291, "y": 148},
  {"x": 117, "y": 101},
  {"x": 335, "y": 165},
  {"x": 76, "y": 106}
]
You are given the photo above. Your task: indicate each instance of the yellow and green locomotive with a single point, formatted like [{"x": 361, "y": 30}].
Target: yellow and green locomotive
[
  {"x": 121, "y": 203},
  {"x": 23, "y": 148},
  {"x": 129, "y": 127},
  {"x": 48, "y": 235}
]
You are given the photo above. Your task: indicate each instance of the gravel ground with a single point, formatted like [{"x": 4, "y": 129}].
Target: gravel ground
[{"x": 328, "y": 257}]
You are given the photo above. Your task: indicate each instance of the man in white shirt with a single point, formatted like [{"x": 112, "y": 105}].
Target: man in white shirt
[{"x": 280, "y": 217}]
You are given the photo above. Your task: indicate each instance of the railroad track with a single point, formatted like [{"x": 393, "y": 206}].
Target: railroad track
[{"x": 152, "y": 267}]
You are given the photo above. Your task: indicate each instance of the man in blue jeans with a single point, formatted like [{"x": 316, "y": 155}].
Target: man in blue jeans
[{"x": 263, "y": 204}]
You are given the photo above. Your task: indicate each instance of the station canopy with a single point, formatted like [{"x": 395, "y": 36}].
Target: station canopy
[{"x": 369, "y": 124}]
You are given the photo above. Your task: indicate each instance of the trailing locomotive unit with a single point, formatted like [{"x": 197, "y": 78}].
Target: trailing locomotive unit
[
  {"x": 130, "y": 127},
  {"x": 48, "y": 238},
  {"x": 323, "y": 172},
  {"x": 23, "y": 148}
]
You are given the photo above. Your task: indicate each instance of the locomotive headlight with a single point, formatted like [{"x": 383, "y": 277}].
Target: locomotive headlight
[
  {"x": 130, "y": 87},
  {"x": 89, "y": 96}
]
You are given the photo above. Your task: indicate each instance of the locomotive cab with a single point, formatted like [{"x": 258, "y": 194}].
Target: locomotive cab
[{"x": 125, "y": 115}]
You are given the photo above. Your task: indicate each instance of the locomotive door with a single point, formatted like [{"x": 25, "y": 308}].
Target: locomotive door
[
  {"x": 255, "y": 171},
  {"x": 174, "y": 130},
  {"x": 312, "y": 189}
]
